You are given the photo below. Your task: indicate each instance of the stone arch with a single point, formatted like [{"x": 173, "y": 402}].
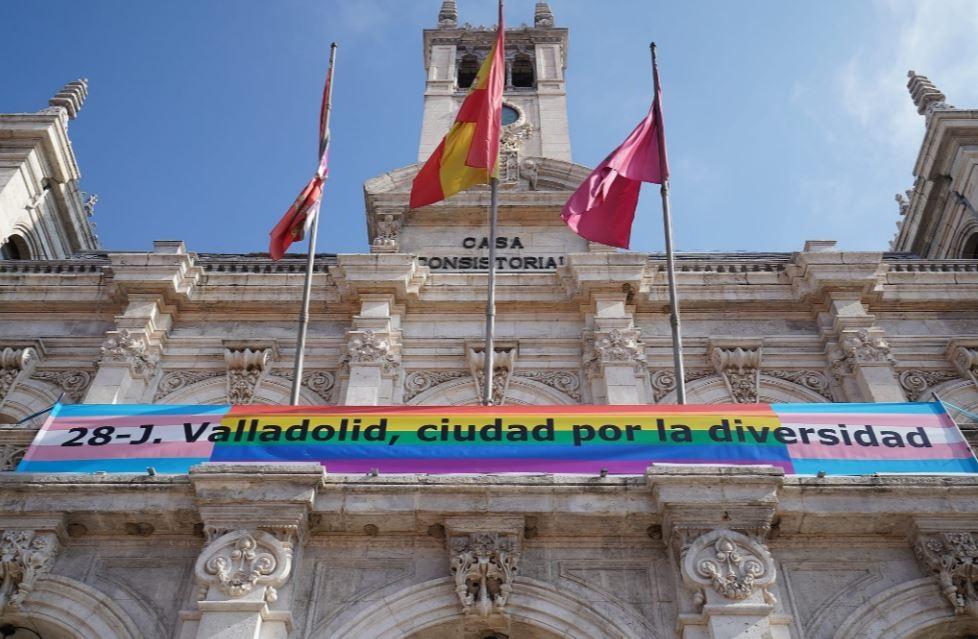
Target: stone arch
[
  {"x": 712, "y": 389},
  {"x": 62, "y": 608},
  {"x": 272, "y": 390},
  {"x": 463, "y": 392},
  {"x": 15, "y": 247},
  {"x": 964, "y": 241},
  {"x": 534, "y": 603},
  {"x": 29, "y": 396},
  {"x": 911, "y": 610}
]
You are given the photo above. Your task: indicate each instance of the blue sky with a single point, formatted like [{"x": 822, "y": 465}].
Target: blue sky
[{"x": 786, "y": 121}]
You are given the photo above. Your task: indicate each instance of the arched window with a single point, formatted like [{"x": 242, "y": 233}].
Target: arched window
[
  {"x": 970, "y": 251},
  {"x": 15, "y": 248},
  {"x": 468, "y": 68},
  {"x": 522, "y": 73}
]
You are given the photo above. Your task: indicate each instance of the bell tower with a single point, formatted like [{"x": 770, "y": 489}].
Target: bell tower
[{"x": 535, "y": 100}]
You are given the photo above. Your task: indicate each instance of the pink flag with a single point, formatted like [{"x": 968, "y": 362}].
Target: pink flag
[{"x": 603, "y": 206}]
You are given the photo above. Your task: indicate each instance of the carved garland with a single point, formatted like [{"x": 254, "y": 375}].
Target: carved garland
[
  {"x": 483, "y": 566},
  {"x": 731, "y": 564},
  {"x": 240, "y": 561},
  {"x": 25, "y": 555}
]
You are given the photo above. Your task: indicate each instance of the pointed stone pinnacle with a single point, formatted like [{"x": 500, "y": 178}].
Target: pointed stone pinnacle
[
  {"x": 448, "y": 14},
  {"x": 925, "y": 95},
  {"x": 543, "y": 16},
  {"x": 71, "y": 97}
]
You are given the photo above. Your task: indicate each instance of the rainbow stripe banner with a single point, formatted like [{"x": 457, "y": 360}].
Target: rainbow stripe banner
[{"x": 840, "y": 439}]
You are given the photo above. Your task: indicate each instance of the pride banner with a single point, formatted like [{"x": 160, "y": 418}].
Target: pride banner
[{"x": 840, "y": 439}]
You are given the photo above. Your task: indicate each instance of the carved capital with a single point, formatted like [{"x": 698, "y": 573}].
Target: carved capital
[
  {"x": 740, "y": 369},
  {"x": 504, "y": 357},
  {"x": 15, "y": 363},
  {"x": 132, "y": 350},
  {"x": 25, "y": 555},
  {"x": 617, "y": 345},
  {"x": 239, "y": 562},
  {"x": 865, "y": 346},
  {"x": 724, "y": 566},
  {"x": 483, "y": 566},
  {"x": 245, "y": 368},
  {"x": 367, "y": 347},
  {"x": 952, "y": 557}
]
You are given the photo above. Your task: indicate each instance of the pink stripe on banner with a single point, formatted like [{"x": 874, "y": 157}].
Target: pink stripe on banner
[
  {"x": 120, "y": 451},
  {"x": 958, "y": 450},
  {"x": 874, "y": 419},
  {"x": 126, "y": 421}
]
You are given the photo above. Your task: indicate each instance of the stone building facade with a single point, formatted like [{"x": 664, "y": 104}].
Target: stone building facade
[{"x": 275, "y": 551}]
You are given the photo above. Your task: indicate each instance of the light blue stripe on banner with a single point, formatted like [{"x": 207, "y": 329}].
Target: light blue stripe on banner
[
  {"x": 870, "y": 466},
  {"x": 111, "y": 410},
  {"x": 917, "y": 408},
  {"x": 162, "y": 465}
]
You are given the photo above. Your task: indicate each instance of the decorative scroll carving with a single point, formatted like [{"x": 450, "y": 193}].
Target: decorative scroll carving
[
  {"x": 244, "y": 367},
  {"x": 566, "y": 382},
  {"x": 131, "y": 349},
  {"x": 72, "y": 382},
  {"x": 320, "y": 382},
  {"x": 417, "y": 382},
  {"x": 15, "y": 362},
  {"x": 502, "y": 368},
  {"x": 664, "y": 381},
  {"x": 483, "y": 566},
  {"x": 865, "y": 346},
  {"x": 730, "y": 563},
  {"x": 367, "y": 347},
  {"x": 740, "y": 369},
  {"x": 176, "y": 380},
  {"x": 953, "y": 559},
  {"x": 25, "y": 555},
  {"x": 812, "y": 380},
  {"x": 966, "y": 361},
  {"x": 915, "y": 381},
  {"x": 240, "y": 561}
]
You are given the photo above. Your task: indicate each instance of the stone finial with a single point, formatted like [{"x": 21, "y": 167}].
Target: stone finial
[
  {"x": 71, "y": 97},
  {"x": 448, "y": 14},
  {"x": 543, "y": 16},
  {"x": 925, "y": 95}
]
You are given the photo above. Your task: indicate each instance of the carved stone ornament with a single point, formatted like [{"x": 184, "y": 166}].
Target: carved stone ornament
[
  {"x": 127, "y": 348},
  {"x": 531, "y": 173},
  {"x": 953, "y": 559},
  {"x": 811, "y": 379},
  {"x": 728, "y": 564},
  {"x": 663, "y": 381},
  {"x": 388, "y": 230},
  {"x": 417, "y": 382},
  {"x": 25, "y": 555},
  {"x": 367, "y": 347},
  {"x": 244, "y": 368},
  {"x": 15, "y": 362},
  {"x": 567, "y": 382},
  {"x": 740, "y": 369},
  {"x": 483, "y": 566},
  {"x": 619, "y": 345},
  {"x": 177, "y": 380},
  {"x": 72, "y": 382},
  {"x": 238, "y": 562},
  {"x": 320, "y": 382},
  {"x": 966, "y": 361},
  {"x": 513, "y": 136},
  {"x": 915, "y": 382},
  {"x": 865, "y": 346},
  {"x": 11, "y": 456},
  {"x": 502, "y": 369}
]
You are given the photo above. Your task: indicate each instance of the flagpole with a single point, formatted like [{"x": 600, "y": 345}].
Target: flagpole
[
  {"x": 677, "y": 340},
  {"x": 300, "y": 344},
  {"x": 489, "y": 353}
]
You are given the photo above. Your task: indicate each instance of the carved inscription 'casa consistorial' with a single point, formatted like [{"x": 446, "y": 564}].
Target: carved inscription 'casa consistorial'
[
  {"x": 953, "y": 558},
  {"x": 130, "y": 349},
  {"x": 483, "y": 567},
  {"x": 740, "y": 369},
  {"x": 731, "y": 564},
  {"x": 25, "y": 555},
  {"x": 240, "y": 561}
]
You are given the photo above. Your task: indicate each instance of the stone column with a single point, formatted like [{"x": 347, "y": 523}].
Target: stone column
[
  {"x": 373, "y": 352},
  {"x": 860, "y": 355},
  {"x": 717, "y": 520},
  {"x": 255, "y": 520},
  {"x": 617, "y": 355}
]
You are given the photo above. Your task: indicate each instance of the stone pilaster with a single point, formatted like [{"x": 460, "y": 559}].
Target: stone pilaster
[
  {"x": 717, "y": 521},
  {"x": 255, "y": 520},
  {"x": 373, "y": 351},
  {"x": 859, "y": 354},
  {"x": 615, "y": 355}
]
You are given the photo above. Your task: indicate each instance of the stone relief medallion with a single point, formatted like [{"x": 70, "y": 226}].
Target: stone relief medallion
[
  {"x": 238, "y": 562},
  {"x": 729, "y": 564}
]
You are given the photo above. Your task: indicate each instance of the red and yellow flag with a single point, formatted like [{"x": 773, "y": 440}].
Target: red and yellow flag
[{"x": 468, "y": 154}]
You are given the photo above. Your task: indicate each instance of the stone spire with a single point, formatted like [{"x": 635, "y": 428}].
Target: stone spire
[
  {"x": 925, "y": 95},
  {"x": 543, "y": 16},
  {"x": 448, "y": 14},
  {"x": 71, "y": 97}
]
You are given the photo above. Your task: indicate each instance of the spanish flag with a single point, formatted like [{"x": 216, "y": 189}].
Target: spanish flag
[{"x": 467, "y": 155}]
